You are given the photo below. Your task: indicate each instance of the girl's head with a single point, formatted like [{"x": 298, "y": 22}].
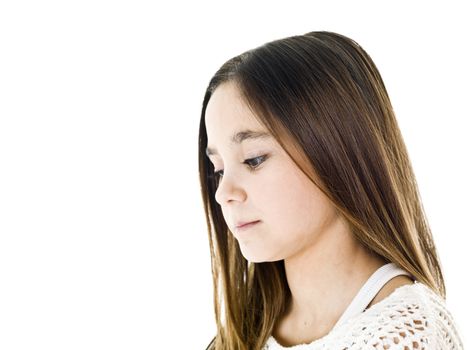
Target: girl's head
[{"x": 301, "y": 136}]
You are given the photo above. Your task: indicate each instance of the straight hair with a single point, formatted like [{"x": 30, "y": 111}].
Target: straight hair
[{"x": 322, "y": 98}]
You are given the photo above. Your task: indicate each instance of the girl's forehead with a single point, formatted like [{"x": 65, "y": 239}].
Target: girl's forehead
[
  {"x": 232, "y": 121},
  {"x": 226, "y": 105}
]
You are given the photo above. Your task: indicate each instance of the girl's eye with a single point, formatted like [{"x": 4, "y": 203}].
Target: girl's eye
[{"x": 253, "y": 163}]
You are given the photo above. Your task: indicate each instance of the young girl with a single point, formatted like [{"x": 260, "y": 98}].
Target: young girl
[{"x": 317, "y": 234}]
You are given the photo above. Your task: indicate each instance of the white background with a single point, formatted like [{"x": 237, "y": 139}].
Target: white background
[{"x": 103, "y": 243}]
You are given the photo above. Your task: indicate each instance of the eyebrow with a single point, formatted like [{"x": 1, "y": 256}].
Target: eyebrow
[{"x": 241, "y": 136}]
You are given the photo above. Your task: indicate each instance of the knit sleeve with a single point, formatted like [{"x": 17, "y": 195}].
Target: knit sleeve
[
  {"x": 405, "y": 328},
  {"x": 411, "y": 318},
  {"x": 447, "y": 334},
  {"x": 413, "y": 326}
]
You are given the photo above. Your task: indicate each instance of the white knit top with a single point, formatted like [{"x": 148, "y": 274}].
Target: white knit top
[{"x": 412, "y": 317}]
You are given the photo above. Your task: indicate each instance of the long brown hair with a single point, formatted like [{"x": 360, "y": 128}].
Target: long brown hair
[{"x": 322, "y": 98}]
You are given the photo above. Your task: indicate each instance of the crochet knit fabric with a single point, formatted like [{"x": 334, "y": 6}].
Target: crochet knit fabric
[{"x": 412, "y": 317}]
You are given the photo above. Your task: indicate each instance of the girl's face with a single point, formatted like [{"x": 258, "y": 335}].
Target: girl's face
[{"x": 258, "y": 181}]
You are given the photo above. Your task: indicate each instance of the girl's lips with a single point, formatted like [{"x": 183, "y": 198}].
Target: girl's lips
[{"x": 243, "y": 226}]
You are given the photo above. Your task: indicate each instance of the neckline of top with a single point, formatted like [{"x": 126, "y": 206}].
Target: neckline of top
[{"x": 372, "y": 308}]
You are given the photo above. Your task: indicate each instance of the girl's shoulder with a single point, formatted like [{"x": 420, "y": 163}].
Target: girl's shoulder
[{"x": 413, "y": 316}]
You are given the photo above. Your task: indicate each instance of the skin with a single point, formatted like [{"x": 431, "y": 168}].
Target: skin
[{"x": 325, "y": 265}]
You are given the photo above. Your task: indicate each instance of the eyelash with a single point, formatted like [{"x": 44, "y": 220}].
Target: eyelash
[{"x": 262, "y": 158}]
